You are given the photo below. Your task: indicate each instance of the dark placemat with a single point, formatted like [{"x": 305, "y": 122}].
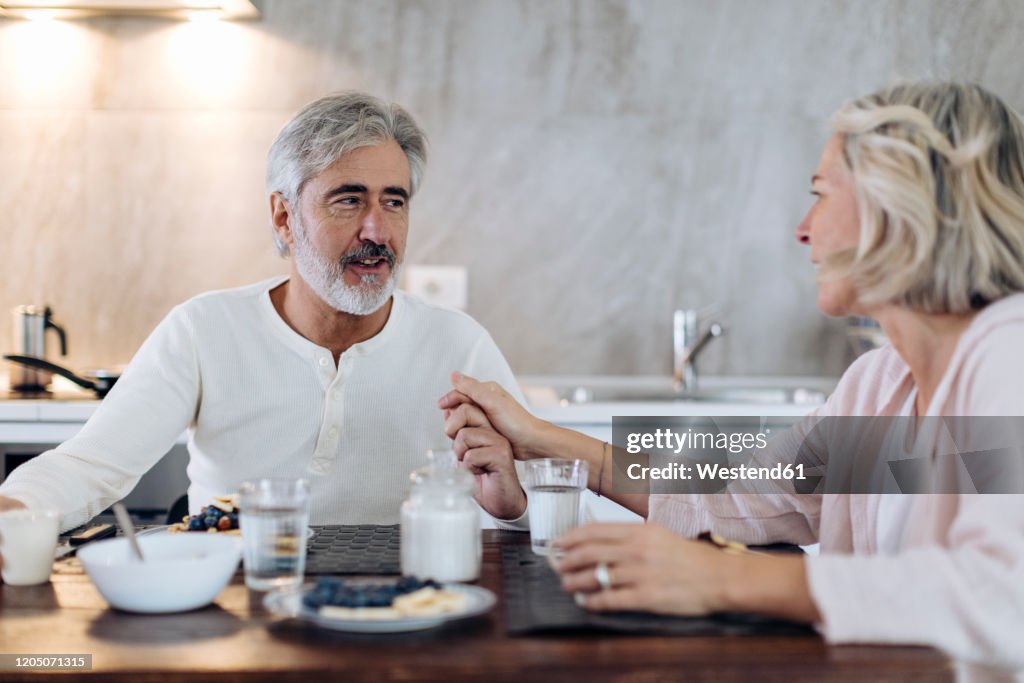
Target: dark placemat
[
  {"x": 536, "y": 603},
  {"x": 354, "y": 549}
]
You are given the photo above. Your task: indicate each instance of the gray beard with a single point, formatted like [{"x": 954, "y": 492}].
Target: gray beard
[{"x": 326, "y": 278}]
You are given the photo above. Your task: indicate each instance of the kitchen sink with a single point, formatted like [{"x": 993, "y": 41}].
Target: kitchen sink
[
  {"x": 741, "y": 390},
  {"x": 756, "y": 395}
]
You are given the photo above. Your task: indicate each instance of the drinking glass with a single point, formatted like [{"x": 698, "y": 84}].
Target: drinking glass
[
  {"x": 553, "y": 487},
  {"x": 274, "y": 516}
]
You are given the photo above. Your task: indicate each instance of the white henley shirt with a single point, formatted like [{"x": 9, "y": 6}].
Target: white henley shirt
[{"x": 259, "y": 400}]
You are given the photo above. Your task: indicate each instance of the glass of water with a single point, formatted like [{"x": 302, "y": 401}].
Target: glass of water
[
  {"x": 274, "y": 516},
  {"x": 553, "y": 487}
]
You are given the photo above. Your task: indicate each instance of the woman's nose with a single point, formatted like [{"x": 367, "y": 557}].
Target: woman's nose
[{"x": 803, "y": 230}]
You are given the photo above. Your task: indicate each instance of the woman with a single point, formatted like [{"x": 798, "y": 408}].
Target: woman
[{"x": 918, "y": 222}]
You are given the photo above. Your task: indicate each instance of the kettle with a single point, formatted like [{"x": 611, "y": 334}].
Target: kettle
[{"x": 30, "y": 326}]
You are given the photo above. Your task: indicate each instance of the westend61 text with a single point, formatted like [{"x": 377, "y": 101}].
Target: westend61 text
[{"x": 716, "y": 472}]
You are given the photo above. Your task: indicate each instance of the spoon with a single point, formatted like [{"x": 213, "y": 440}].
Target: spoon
[{"x": 125, "y": 522}]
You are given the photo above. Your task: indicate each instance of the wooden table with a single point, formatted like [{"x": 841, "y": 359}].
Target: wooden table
[{"x": 237, "y": 640}]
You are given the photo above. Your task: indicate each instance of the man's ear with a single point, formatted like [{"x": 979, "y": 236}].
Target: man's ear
[{"x": 281, "y": 218}]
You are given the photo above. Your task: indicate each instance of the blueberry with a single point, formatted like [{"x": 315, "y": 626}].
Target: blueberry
[
  {"x": 211, "y": 522},
  {"x": 234, "y": 519},
  {"x": 408, "y": 584},
  {"x": 331, "y": 582},
  {"x": 327, "y": 588},
  {"x": 378, "y": 597},
  {"x": 344, "y": 598},
  {"x": 195, "y": 524}
]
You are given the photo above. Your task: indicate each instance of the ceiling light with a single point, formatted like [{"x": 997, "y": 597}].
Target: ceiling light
[{"x": 156, "y": 9}]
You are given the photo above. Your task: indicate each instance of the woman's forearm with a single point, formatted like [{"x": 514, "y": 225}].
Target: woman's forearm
[
  {"x": 553, "y": 441},
  {"x": 773, "y": 585}
]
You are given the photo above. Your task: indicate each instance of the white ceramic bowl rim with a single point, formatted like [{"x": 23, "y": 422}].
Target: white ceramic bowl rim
[{"x": 170, "y": 550}]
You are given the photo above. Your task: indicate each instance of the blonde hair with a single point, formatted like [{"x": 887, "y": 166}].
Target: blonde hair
[{"x": 938, "y": 171}]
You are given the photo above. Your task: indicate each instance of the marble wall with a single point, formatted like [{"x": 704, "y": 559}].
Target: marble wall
[{"x": 595, "y": 164}]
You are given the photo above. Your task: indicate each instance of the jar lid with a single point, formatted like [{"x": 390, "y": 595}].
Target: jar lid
[{"x": 441, "y": 472}]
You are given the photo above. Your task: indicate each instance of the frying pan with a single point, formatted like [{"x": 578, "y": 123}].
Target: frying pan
[{"x": 99, "y": 381}]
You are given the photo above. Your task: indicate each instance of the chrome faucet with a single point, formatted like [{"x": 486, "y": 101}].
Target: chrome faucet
[{"x": 687, "y": 342}]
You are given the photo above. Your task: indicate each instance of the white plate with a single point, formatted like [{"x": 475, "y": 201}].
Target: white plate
[
  {"x": 164, "y": 529},
  {"x": 289, "y": 604}
]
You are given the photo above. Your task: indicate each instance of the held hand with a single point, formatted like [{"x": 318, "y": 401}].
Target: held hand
[
  {"x": 487, "y": 455},
  {"x": 647, "y": 568},
  {"x": 9, "y": 504},
  {"x": 472, "y": 404}
]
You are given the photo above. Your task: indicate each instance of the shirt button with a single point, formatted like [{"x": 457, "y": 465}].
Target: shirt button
[
  {"x": 336, "y": 394},
  {"x": 323, "y": 362},
  {"x": 333, "y": 433}
]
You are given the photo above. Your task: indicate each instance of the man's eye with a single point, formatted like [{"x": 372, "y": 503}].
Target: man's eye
[
  {"x": 396, "y": 203},
  {"x": 347, "y": 200}
]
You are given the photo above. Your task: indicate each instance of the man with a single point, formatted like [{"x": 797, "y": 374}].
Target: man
[{"x": 329, "y": 374}]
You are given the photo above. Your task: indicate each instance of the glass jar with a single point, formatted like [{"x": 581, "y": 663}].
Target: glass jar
[{"x": 441, "y": 523}]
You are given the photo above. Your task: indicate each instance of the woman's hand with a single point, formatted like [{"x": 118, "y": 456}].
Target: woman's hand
[
  {"x": 648, "y": 568},
  {"x": 486, "y": 404}
]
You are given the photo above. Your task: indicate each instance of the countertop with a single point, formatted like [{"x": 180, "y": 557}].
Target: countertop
[{"x": 71, "y": 406}]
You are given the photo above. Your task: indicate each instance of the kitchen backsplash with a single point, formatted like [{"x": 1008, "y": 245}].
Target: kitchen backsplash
[{"x": 594, "y": 165}]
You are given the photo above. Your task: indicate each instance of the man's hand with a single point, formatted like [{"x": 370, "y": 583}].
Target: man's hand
[
  {"x": 8, "y": 504},
  {"x": 487, "y": 455}
]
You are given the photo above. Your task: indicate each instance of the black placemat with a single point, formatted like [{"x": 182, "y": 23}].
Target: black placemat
[
  {"x": 536, "y": 603},
  {"x": 354, "y": 549}
]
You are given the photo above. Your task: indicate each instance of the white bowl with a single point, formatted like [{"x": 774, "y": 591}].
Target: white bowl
[{"x": 180, "y": 572}]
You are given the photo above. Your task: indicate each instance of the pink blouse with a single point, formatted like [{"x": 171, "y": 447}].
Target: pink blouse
[{"x": 956, "y": 578}]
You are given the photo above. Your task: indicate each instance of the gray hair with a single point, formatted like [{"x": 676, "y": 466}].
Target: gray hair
[
  {"x": 330, "y": 127},
  {"x": 938, "y": 169}
]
